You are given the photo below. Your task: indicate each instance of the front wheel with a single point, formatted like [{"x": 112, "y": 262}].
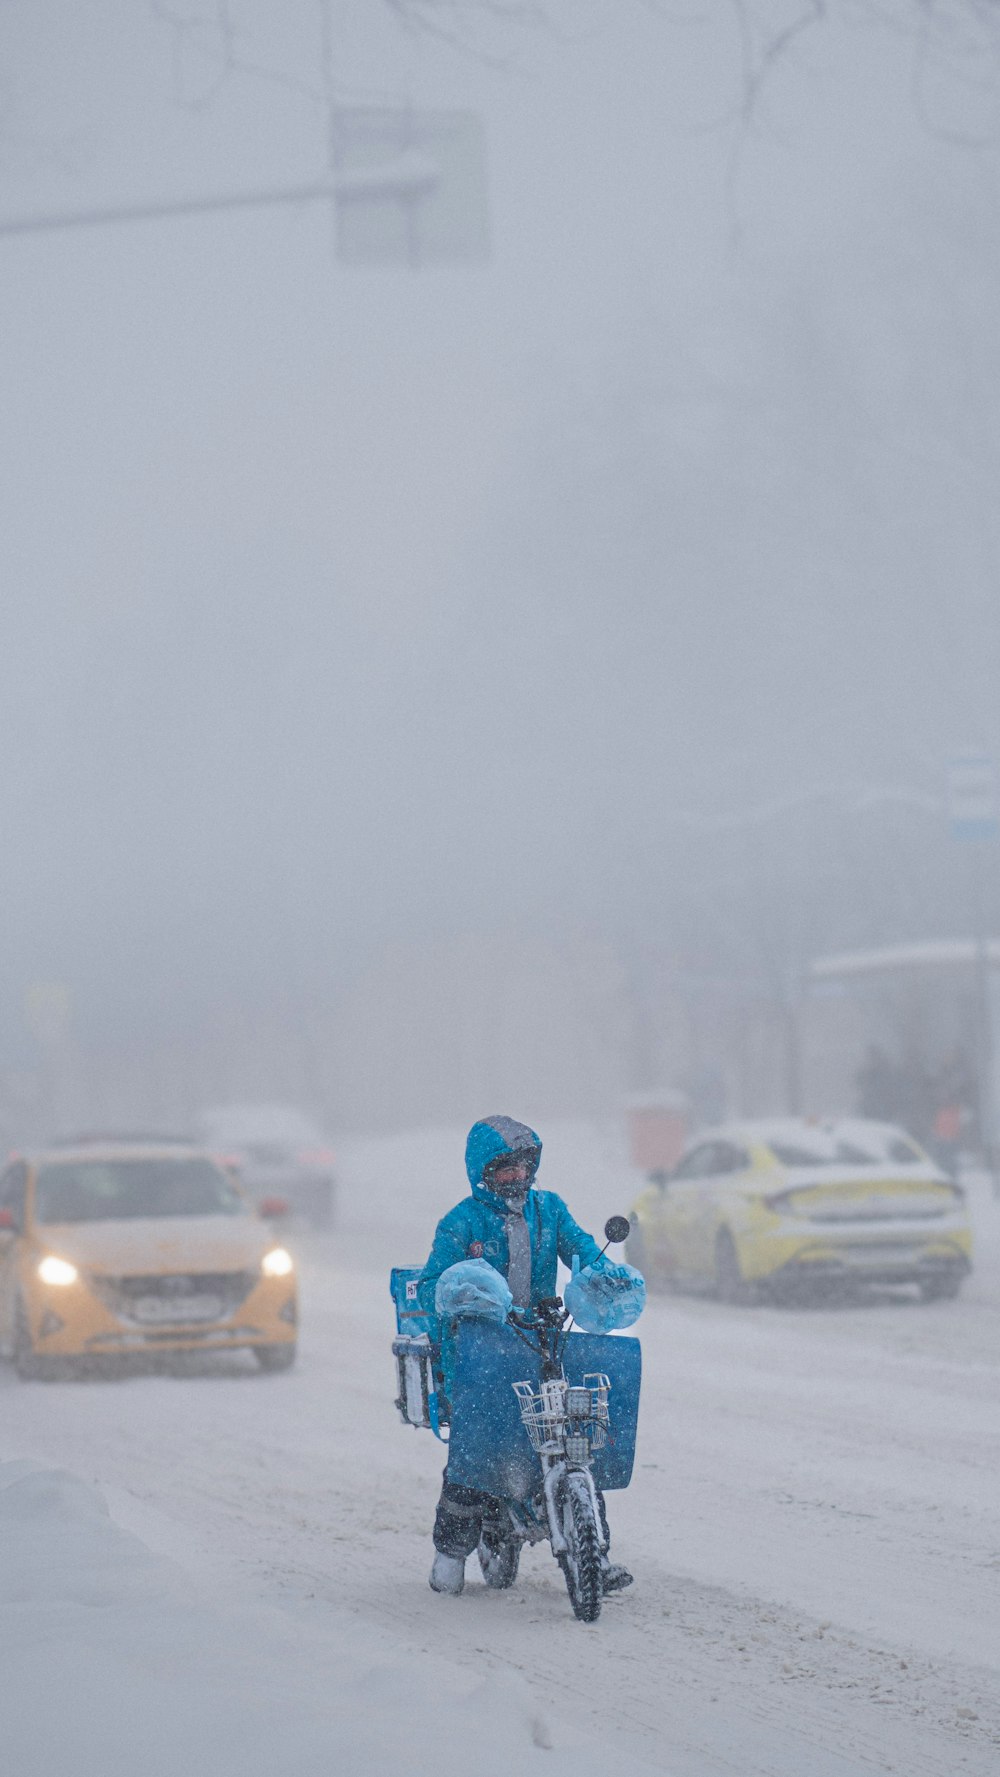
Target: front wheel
[
  {"x": 581, "y": 1562},
  {"x": 635, "y": 1251},
  {"x": 27, "y": 1362},
  {"x": 730, "y": 1283},
  {"x": 275, "y": 1357}
]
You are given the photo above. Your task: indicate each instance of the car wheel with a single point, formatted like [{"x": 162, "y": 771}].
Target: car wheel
[
  {"x": 730, "y": 1284},
  {"x": 29, "y": 1366},
  {"x": 940, "y": 1289},
  {"x": 637, "y": 1254},
  {"x": 275, "y": 1357},
  {"x": 635, "y": 1251}
]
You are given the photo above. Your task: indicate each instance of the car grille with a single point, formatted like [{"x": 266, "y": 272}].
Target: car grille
[{"x": 175, "y": 1296}]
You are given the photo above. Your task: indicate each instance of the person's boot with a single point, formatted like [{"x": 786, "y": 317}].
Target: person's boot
[
  {"x": 614, "y": 1578},
  {"x": 448, "y": 1574}
]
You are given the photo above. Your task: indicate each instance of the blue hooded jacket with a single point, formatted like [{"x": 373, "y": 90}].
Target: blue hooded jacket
[{"x": 476, "y": 1227}]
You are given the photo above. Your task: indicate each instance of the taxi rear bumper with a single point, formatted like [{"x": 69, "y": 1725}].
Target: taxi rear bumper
[{"x": 905, "y": 1249}]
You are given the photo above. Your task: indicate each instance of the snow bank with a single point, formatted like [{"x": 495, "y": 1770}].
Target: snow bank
[{"x": 114, "y": 1662}]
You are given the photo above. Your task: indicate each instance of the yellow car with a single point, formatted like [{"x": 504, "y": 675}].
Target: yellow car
[
  {"x": 771, "y": 1208},
  {"x": 134, "y": 1248}
]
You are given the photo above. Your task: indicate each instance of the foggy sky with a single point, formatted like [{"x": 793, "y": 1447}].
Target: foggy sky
[{"x": 339, "y": 607}]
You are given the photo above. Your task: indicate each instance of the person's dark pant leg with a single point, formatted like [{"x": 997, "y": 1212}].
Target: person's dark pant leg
[{"x": 458, "y": 1520}]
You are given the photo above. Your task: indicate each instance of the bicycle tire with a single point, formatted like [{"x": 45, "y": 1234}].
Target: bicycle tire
[{"x": 581, "y": 1564}]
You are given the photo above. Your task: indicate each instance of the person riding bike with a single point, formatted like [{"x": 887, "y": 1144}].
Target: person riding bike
[{"x": 521, "y": 1232}]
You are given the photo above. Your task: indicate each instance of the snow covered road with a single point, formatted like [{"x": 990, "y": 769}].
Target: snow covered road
[{"x": 814, "y": 1522}]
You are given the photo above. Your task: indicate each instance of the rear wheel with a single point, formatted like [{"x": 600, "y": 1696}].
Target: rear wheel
[
  {"x": 940, "y": 1289},
  {"x": 730, "y": 1283},
  {"x": 498, "y": 1559},
  {"x": 275, "y": 1357},
  {"x": 581, "y": 1563}
]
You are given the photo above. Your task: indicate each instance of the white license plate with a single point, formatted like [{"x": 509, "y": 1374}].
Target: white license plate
[{"x": 155, "y": 1310}]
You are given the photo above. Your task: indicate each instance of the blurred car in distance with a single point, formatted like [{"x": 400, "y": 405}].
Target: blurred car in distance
[
  {"x": 122, "y": 1248},
  {"x": 794, "y": 1206},
  {"x": 279, "y": 1155},
  {"x": 145, "y": 1138}
]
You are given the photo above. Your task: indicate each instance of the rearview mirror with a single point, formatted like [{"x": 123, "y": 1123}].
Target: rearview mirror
[{"x": 617, "y": 1229}]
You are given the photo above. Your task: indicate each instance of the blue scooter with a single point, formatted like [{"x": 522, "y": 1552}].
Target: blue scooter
[{"x": 542, "y": 1419}]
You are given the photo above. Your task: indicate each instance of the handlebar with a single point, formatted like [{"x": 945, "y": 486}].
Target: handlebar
[
  {"x": 541, "y": 1328},
  {"x": 548, "y": 1314}
]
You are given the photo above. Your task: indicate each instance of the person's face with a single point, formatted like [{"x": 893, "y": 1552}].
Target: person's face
[{"x": 510, "y": 1177}]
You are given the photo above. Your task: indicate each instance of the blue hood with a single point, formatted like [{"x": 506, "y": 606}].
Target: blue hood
[{"x": 491, "y": 1138}]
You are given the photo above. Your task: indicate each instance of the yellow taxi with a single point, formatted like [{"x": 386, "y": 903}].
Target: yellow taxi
[
  {"x": 770, "y": 1208},
  {"x": 120, "y": 1247}
]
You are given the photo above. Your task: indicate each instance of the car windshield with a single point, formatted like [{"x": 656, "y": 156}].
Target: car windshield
[{"x": 126, "y": 1190}]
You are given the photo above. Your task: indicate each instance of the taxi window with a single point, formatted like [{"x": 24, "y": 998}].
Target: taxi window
[
  {"x": 128, "y": 1190},
  {"x": 847, "y": 1153},
  {"x": 706, "y": 1161},
  {"x": 696, "y": 1164},
  {"x": 903, "y": 1152},
  {"x": 788, "y": 1155}
]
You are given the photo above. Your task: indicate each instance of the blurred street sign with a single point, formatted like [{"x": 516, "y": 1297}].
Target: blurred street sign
[
  {"x": 409, "y": 187},
  {"x": 972, "y": 798}
]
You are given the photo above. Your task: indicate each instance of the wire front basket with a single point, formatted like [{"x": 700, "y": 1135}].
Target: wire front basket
[{"x": 559, "y": 1415}]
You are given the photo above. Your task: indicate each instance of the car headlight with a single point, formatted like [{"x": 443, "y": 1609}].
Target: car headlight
[
  {"x": 53, "y": 1270},
  {"x": 277, "y": 1263}
]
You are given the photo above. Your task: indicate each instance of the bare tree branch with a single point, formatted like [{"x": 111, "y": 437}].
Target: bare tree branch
[{"x": 961, "y": 35}]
